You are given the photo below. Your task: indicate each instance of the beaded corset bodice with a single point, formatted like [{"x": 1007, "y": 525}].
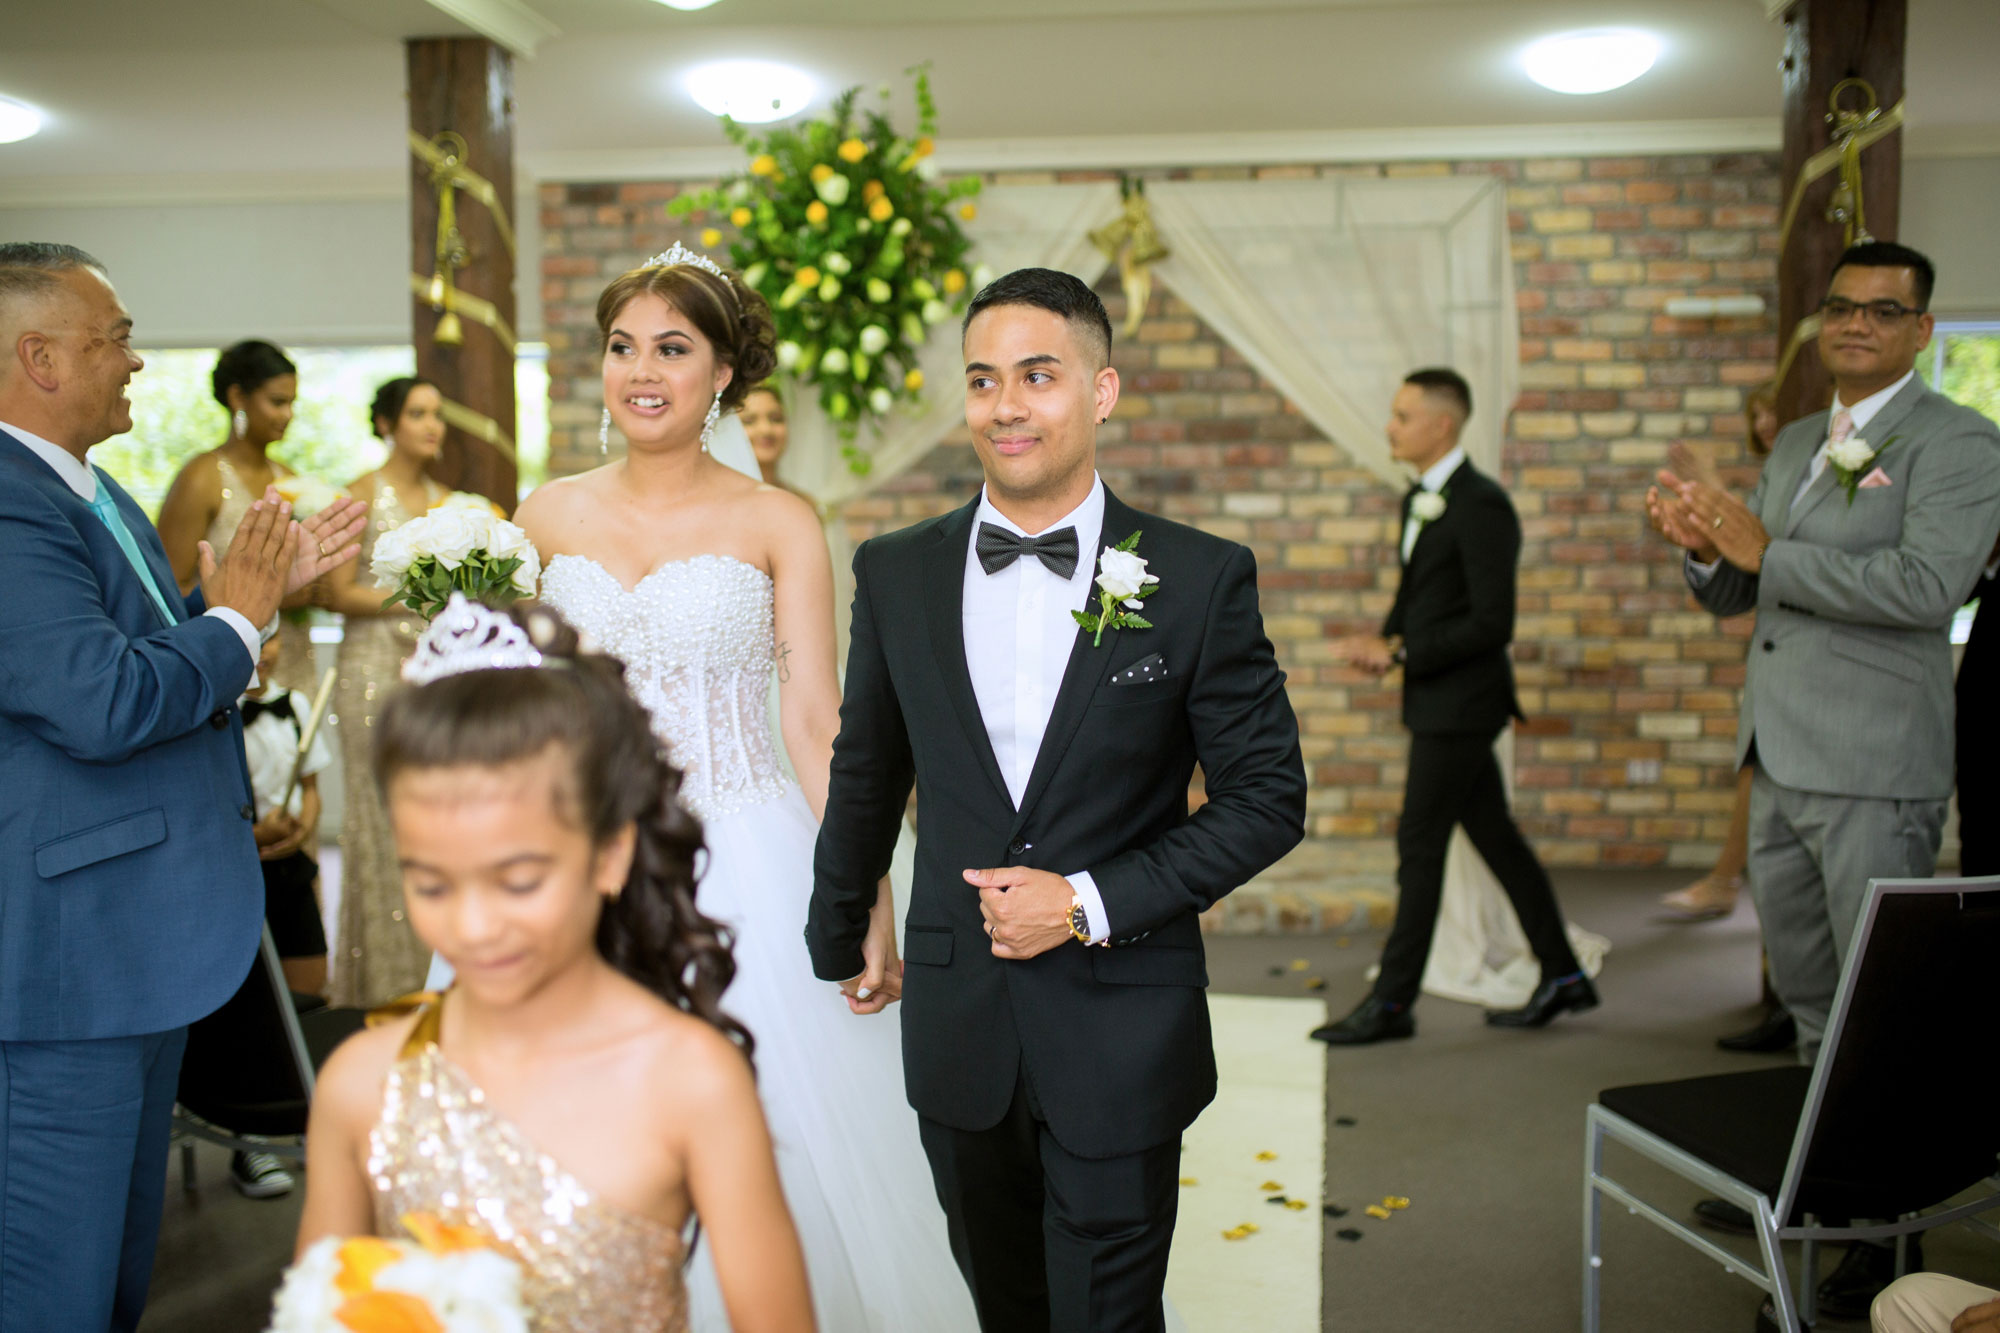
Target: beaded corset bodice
[{"x": 695, "y": 636}]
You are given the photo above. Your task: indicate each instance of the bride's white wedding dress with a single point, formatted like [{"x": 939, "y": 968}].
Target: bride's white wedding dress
[{"x": 696, "y": 639}]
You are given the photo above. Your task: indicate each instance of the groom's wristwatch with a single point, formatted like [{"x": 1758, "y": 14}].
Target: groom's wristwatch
[{"x": 1079, "y": 921}]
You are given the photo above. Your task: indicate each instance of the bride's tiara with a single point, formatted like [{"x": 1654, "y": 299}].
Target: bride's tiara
[
  {"x": 468, "y": 636},
  {"x": 680, "y": 254}
]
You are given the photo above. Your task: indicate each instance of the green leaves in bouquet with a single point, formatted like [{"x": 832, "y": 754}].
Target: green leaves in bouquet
[
  {"x": 427, "y": 585},
  {"x": 858, "y": 251}
]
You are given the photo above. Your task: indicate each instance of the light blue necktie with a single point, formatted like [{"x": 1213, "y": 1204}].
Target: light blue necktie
[{"x": 106, "y": 508}]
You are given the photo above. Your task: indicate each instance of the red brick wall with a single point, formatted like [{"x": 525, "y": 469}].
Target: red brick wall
[{"x": 1630, "y": 689}]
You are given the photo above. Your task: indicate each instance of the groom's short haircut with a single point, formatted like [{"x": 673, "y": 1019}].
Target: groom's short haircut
[
  {"x": 1447, "y": 387},
  {"x": 1049, "y": 289}
]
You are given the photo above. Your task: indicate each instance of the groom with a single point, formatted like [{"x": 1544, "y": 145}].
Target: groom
[{"x": 1055, "y": 1031}]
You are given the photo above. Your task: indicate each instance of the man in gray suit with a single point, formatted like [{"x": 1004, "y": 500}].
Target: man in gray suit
[{"x": 1865, "y": 532}]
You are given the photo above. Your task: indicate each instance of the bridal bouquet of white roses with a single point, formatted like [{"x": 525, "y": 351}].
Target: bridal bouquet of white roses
[
  {"x": 449, "y": 1280},
  {"x": 462, "y": 545}
]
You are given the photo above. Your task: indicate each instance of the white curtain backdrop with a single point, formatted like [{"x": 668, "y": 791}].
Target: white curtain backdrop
[{"x": 1334, "y": 290}]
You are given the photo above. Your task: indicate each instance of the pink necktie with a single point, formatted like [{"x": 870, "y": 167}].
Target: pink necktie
[{"x": 1843, "y": 426}]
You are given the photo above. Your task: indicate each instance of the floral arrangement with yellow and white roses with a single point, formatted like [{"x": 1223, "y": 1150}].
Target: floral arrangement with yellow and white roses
[{"x": 843, "y": 226}]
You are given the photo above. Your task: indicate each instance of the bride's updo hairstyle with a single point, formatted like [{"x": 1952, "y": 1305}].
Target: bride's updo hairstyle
[
  {"x": 734, "y": 318},
  {"x": 618, "y": 774}
]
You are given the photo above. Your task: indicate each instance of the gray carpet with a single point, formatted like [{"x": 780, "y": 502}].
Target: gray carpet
[{"x": 1482, "y": 1130}]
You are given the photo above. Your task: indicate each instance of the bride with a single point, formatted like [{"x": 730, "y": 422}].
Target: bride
[{"x": 701, "y": 578}]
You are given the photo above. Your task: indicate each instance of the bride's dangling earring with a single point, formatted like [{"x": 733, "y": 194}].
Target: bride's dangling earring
[
  {"x": 240, "y": 423},
  {"x": 708, "y": 422},
  {"x": 604, "y": 434}
]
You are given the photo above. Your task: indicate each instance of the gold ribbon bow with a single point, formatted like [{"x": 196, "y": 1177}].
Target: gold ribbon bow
[{"x": 1135, "y": 243}]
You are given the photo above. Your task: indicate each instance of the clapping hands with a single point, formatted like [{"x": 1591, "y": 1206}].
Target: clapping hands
[
  {"x": 270, "y": 556},
  {"x": 1707, "y": 521}
]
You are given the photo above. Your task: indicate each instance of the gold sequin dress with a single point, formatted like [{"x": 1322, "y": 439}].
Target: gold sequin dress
[
  {"x": 376, "y": 956},
  {"x": 295, "y": 652},
  {"x": 585, "y": 1267}
]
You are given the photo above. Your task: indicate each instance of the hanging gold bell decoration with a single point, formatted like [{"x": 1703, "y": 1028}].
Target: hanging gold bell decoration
[
  {"x": 452, "y": 253},
  {"x": 1135, "y": 243},
  {"x": 1849, "y": 125}
]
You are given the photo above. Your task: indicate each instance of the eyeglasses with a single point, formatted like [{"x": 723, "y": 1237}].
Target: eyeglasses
[{"x": 1838, "y": 310}]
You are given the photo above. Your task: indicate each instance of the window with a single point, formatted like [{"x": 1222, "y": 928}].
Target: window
[
  {"x": 1963, "y": 364},
  {"x": 175, "y": 416}
]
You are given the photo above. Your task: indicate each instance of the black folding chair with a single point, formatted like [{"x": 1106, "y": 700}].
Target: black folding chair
[
  {"x": 247, "y": 1079},
  {"x": 1894, "y": 1119}
]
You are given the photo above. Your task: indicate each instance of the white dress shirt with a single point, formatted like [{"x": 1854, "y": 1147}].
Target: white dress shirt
[
  {"x": 271, "y": 747},
  {"x": 1860, "y": 414},
  {"x": 1018, "y": 637},
  {"x": 77, "y": 475},
  {"x": 1433, "y": 480}
]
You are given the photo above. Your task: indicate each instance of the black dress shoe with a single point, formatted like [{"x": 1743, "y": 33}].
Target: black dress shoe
[
  {"x": 1863, "y": 1272},
  {"x": 1722, "y": 1215},
  {"x": 1550, "y": 998},
  {"x": 1767, "y": 1318},
  {"x": 1373, "y": 1020},
  {"x": 1778, "y": 1032}
]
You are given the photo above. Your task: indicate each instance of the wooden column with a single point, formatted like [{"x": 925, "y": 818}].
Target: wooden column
[
  {"x": 466, "y": 85},
  {"x": 1827, "y": 41}
]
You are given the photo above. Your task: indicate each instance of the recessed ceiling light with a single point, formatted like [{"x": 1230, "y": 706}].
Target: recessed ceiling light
[
  {"x": 687, "y": 4},
  {"x": 1591, "y": 62},
  {"x": 18, "y": 120},
  {"x": 752, "y": 91}
]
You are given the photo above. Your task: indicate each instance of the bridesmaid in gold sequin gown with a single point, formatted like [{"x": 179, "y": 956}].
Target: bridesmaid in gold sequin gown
[
  {"x": 256, "y": 384},
  {"x": 580, "y": 1114},
  {"x": 376, "y": 957}
]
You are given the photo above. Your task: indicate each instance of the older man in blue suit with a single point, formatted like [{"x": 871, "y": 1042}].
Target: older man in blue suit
[{"x": 130, "y": 897}]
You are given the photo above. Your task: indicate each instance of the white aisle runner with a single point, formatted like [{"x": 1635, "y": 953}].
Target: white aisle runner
[{"x": 1271, "y": 1098}]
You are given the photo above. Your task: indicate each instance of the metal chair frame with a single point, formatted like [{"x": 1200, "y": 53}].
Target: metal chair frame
[{"x": 1602, "y": 1125}]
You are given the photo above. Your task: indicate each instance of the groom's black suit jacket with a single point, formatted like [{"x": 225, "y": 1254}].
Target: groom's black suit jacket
[
  {"x": 1455, "y": 610},
  {"x": 1115, "y": 1040}
]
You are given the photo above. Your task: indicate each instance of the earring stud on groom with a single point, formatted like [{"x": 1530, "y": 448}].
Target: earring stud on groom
[{"x": 1448, "y": 630}]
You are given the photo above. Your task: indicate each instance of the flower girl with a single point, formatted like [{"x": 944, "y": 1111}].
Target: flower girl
[{"x": 578, "y": 1096}]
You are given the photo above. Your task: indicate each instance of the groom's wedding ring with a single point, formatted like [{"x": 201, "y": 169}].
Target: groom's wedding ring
[
  {"x": 1717, "y": 523},
  {"x": 322, "y": 548}
]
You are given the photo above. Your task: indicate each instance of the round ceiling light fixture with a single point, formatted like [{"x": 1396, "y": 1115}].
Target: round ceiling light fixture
[
  {"x": 18, "y": 120},
  {"x": 754, "y": 92},
  {"x": 687, "y": 4},
  {"x": 1595, "y": 61}
]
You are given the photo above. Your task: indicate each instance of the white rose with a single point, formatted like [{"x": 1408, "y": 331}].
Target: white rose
[
  {"x": 1851, "y": 454},
  {"x": 879, "y": 291},
  {"x": 833, "y": 190},
  {"x": 1122, "y": 574},
  {"x": 392, "y": 556},
  {"x": 788, "y": 354},
  {"x": 900, "y": 227},
  {"x": 982, "y": 275},
  {"x": 936, "y": 312},
  {"x": 835, "y": 262},
  {"x": 448, "y": 535},
  {"x": 472, "y": 1291},
  {"x": 529, "y": 575},
  {"x": 928, "y": 169},
  {"x": 834, "y": 362},
  {"x": 1427, "y": 505},
  {"x": 880, "y": 401},
  {"x": 308, "y": 495},
  {"x": 874, "y": 338},
  {"x": 308, "y": 1298}
]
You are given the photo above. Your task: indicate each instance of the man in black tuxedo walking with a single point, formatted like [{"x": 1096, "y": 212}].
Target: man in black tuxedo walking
[
  {"x": 1055, "y": 1031},
  {"x": 1449, "y": 629}
]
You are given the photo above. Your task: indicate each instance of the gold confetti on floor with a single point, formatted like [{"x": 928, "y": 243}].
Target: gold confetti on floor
[
  {"x": 1189, "y": 1180},
  {"x": 1397, "y": 1202},
  {"x": 1300, "y": 965},
  {"x": 1377, "y": 1210},
  {"x": 1297, "y": 1205},
  {"x": 1267, "y": 1156},
  {"x": 1270, "y": 1187},
  {"x": 1239, "y": 1232}
]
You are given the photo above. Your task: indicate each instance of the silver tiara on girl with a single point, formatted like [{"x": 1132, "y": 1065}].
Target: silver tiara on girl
[{"x": 469, "y": 636}]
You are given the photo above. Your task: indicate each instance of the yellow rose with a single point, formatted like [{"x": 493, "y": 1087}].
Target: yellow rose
[
  {"x": 968, "y": 211},
  {"x": 882, "y": 210},
  {"x": 954, "y": 281},
  {"x": 710, "y": 238},
  {"x": 914, "y": 380},
  {"x": 820, "y": 172},
  {"x": 872, "y": 191},
  {"x": 763, "y": 165},
  {"x": 852, "y": 151},
  {"x": 816, "y": 213},
  {"x": 925, "y": 147},
  {"x": 740, "y": 216},
  {"x": 807, "y": 276}
]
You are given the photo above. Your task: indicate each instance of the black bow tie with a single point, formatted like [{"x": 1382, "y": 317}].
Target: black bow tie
[
  {"x": 280, "y": 706},
  {"x": 998, "y": 548}
]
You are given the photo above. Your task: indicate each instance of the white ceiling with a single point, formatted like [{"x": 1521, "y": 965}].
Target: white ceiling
[{"x": 263, "y": 89}]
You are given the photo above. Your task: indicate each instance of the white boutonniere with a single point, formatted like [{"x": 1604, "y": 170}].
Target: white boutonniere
[
  {"x": 1852, "y": 458},
  {"x": 1427, "y": 506},
  {"x": 1125, "y": 585}
]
